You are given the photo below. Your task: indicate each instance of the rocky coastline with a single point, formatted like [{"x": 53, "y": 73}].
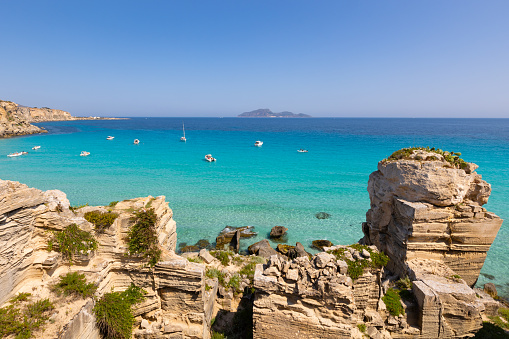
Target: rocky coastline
[
  {"x": 426, "y": 237},
  {"x": 16, "y": 120}
]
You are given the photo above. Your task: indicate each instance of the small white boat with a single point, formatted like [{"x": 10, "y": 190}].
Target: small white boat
[
  {"x": 183, "y": 138},
  {"x": 36, "y": 147},
  {"x": 136, "y": 141},
  {"x": 84, "y": 153},
  {"x": 209, "y": 158},
  {"x": 15, "y": 154},
  {"x": 110, "y": 138},
  {"x": 302, "y": 150},
  {"x": 24, "y": 152},
  {"x": 258, "y": 143}
]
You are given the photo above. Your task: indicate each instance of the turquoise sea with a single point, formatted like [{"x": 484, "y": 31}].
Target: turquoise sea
[{"x": 259, "y": 186}]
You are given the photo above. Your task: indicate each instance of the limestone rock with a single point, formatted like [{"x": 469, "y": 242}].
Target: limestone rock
[
  {"x": 262, "y": 249},
  {"x": 320, "y": 244},
  {"x": 277, "y": 232}
]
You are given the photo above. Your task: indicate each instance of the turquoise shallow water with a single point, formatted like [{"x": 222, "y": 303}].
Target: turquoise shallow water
[{"x": 263, "y": 187}]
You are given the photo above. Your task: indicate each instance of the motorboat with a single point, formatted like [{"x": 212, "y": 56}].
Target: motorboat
[
  {"x": 110, "y": 137},
  {"x": 183, "y": 138},
  {"x": 209, "y": 158},
  {"x": 24, "y": 152},
  {"x": 36, "y": 147},
  {"x": 15, "y": 154},
  {"x": 302, "y": 150},
  {"x": 136, "y": 141},
  {"x": 84, "y": 153},
  {"x": 258, "y": 143}
]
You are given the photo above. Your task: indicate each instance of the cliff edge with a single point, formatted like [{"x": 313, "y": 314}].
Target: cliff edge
[{"x": 16, "y": 120}]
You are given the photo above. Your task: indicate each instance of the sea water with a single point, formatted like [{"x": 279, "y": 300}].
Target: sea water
[{"x": 257, "y": 186}]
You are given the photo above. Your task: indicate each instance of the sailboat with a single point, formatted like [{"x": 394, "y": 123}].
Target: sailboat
[{"x": 184, "y": 131}]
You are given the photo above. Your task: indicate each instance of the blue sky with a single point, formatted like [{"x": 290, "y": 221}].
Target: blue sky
[{"x": 221, "y": 58}]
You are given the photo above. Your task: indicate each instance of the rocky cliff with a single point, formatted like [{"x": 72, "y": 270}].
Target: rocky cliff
[
  {"x": 176, "y": 304},
  {"x": 15, "y": 119}
]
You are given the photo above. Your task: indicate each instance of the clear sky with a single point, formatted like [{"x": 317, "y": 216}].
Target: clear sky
[{"x": 351, "y": 58}]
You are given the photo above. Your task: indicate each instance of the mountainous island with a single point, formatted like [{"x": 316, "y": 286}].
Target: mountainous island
[{"x": 267, "y": 113}]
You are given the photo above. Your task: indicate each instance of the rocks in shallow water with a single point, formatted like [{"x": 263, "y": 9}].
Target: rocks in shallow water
[
  {"x": 320, "y": 244},
  {"x": 278, "y": 232},
  {"x": 322, "y": 215},
  {"x": 298, "y": 251},
  {"x": 262, "y": 249},
  {"x": 284, "y": 248},
  {"x": 201, "y": 244},
  {"x": 224, "y": 240},
  {"x": 189, "y": 248},
  {"x": 491, "y": 289}
]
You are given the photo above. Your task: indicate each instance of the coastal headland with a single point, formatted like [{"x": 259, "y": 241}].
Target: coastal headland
[
  {"x": 267, "y": 113},
  {"x": 411, "y": 276},
  {"x": 16, "y": 120}
]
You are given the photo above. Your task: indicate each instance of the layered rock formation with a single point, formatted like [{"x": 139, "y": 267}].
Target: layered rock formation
[
  {"x": 177, "y": 303},
  {"x": 316, "y": 298},
  {"x": 16, "y": 120},
  {"x": 427, "y": 216}
]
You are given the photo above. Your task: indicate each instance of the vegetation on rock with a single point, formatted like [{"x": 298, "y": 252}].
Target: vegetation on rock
[
  {"x": 22, "y": 317},
  {"x": 223, "y": 256},
  {"x": 100, "y": 220},
  {"x": 75, "y": 208},
  {"x": 114, "y": 314},
  {"x": 215, "y": 273},
  {"x": 453, "y": 158},
  {"x": 142, "y": 237},
  {"x": 491, "y": 331},
  {"x": 74, "y": 283},
  {"x": 392, "y": 301},
  {"x": 356, "y": 267},
  {"x": 72, "y": 241}
]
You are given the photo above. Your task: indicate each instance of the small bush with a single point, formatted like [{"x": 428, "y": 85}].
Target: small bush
[
  {"x": 361, "y": 327},
  {"x": 75, "y": 283},
  {"x": 234, "y": 283},
  {"x": 22, "y": 320},
  {"x": 217, "y": 335},
  {"x": 114, "y": 314},
  {"x": 404, "y": 283},
  {"x": 23, "y": 296},
  {"x": 215, "y": 273},
  {"x": 195, "y": 259},
  {"x": 356, "y": 267},
  {"x": 72, "y": 241},
  {"x": 142, "y": 237},
  {"x": 113, "y": 204},
  {"x": 100, "y": 220},
  {"x": 392, "y": 301},
  {"x": 223, "y": 256}
]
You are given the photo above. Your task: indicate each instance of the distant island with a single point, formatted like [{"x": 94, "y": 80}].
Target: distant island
[{"x": 267, "y": 113}]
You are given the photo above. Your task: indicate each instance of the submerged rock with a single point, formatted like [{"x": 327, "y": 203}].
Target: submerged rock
[
  {"x": 262, "y": 249},
  {"x": 320, "y": 244},
  {"x": 322, "y": 215},
  {"x": 278, "y": 232}
]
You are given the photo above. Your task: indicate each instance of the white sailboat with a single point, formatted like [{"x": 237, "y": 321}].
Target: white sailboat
[{"x": 183, "y": 131}]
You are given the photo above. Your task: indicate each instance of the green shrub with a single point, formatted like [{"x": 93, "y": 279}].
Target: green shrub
[
  {"x": 234, "y": 283},
  {"x": 142, "y": 237},
  {"x": 22, "y": 320},
  {"x": 215, "y": 273},
  {"x": 23, "y": 296},
  {"x": 217, "y": 335},
  {"x": 356, "y": 267},
  {"x": 361, "y": 327},
  {"x": 113, "y": 204},
  {"x": 75, "y": 283},
  {"x": 100, "y": 220},
  {"x": 223, "y": 256},
  {"x": 504, "y": 312},
  {"x": 453, "y": 158},
  {"x": 114, "y": 314},
  {"x": 404, "y": 283},
  {"x": 392, "y": 301},
  {"x": 72, "y": 241},
  {"x": 195, "y": 259}
]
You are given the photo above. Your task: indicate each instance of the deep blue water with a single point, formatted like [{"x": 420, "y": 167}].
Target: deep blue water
[{"x": 263, "y": 187}]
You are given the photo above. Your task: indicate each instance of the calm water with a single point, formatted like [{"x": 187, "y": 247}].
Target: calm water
[{"x": 262, "y": 187}]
